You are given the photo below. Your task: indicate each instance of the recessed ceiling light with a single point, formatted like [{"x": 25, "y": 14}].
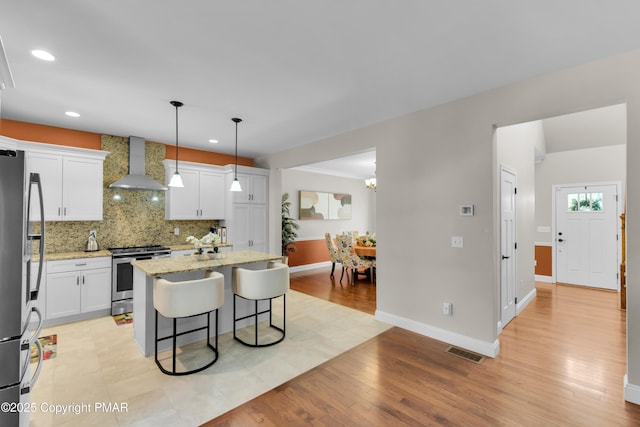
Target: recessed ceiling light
[
  {"x": 213, "y": 141},
  {"x": 72, "y": 114},
  {"x": 41, "y": 54}
]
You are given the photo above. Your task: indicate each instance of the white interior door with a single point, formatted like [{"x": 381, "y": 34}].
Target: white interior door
[
  {"x": 507, "y": 245},
  {"x": 587, "y": 235}
]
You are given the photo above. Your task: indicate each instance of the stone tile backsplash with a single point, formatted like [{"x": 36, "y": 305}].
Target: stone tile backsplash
[{"x": 137, "y": 219}]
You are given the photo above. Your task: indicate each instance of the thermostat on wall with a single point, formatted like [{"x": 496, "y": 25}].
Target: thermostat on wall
[{"x": 466, "y": 210}]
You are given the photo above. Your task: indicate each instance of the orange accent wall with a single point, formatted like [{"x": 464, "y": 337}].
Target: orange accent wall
[
  {"x": 309, "y": 252},
  {"x": 49, "y": 134},
  {"x": 544, "y": 257},
  {"x": 76, "y": 138},
  {"x": 209, "y": 157}
]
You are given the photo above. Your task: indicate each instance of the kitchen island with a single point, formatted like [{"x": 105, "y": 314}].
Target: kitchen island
[{"x": 179, "y": 269}]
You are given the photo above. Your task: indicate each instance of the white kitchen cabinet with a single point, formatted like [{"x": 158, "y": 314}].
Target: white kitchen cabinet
[
  {"x": 203, "y": 195},
  {"x": 248, "y": 210},
  {"x": 249, "y": 227},
  {"x": 78, "y": 286},
  {"x": 255, "y": 189},
  {"x": 72, "y": 182}
]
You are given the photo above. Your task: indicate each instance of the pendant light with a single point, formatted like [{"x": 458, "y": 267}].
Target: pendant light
[
  {"x": 176, "y": 179},
  {"x": 235, "y": 185}
]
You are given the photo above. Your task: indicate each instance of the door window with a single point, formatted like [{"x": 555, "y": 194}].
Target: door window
[{"x": 584, "y": 202}]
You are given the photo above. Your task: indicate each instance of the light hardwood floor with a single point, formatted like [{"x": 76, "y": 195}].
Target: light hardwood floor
[{"x": 562, "y": 362}]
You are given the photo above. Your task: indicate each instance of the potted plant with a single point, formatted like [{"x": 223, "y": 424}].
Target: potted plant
[{"x": 289, "y": 227}]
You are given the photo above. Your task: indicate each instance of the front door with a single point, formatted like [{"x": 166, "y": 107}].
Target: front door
[
  {"x": 586, "y": 235},
  {"x": 507, "y": 245}
]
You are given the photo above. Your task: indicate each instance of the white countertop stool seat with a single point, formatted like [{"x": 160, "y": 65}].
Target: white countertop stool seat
[
  {"x": 190, "y": 298},
  {"x": 256, "y": 286}
]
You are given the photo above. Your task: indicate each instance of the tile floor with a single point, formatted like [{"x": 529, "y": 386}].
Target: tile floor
[{"x": 98, "y": 362}]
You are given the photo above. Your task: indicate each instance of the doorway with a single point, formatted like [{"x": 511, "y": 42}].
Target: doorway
[
  {"x": 587, "y": 238},
  {"x": 578, "y": 148}
]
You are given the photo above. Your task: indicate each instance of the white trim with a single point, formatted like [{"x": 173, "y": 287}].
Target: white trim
[
  {"x": 63, "y": 150},
  {"x": 631, "y": 392},
  {"x": 545, "y": 279},
  {"x": 543, "y": 244},
  {"x": 309, "y": 239},
  {"x": 524, "y": 302},
  {"x": 321, "y": 171},
  {"x": 8, "y": 143},
  {"x": 521, "y": 305},
  {"x": 485, "y": 348},
  {"x": 170, "y": 163},
  {"x": 306, "y": 267}
]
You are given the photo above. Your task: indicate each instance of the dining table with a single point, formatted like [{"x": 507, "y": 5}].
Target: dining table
[{"x": 367, "y": 251}]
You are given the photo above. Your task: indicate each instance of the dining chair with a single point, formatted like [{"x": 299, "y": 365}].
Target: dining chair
[
  {"x": 334, "y": 256},
  {"x": 349, "y": 259}
]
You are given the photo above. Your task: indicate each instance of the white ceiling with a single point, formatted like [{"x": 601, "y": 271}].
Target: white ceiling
[
  {"x": 295, "y": 71},
  {"x": 360, "y": 166}
]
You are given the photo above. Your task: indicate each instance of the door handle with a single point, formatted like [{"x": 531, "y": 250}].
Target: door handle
[
  {"x": 505, "y": 257},
  {"x": 560, "y": 240}
]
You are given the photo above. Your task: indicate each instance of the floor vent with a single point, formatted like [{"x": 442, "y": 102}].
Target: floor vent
[{"x": 467, "y": 355}]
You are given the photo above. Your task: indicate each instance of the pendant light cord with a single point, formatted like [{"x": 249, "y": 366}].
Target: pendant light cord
[
  {"x": 176, "y": 137},
  {"x": 236, "y": 121},
  {"x": 236, "y": 149},
  {"x": 177, "y": 104}
]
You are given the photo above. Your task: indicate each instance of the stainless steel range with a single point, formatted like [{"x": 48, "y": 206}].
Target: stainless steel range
[{"x": 122, "y": 279}]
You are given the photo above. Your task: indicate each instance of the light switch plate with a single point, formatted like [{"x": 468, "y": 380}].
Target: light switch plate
[
  {"x": 457, "y": 242},
  {"x": 447, "y": 309}
]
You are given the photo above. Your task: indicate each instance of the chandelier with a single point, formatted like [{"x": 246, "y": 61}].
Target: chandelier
[{"x": 370, "y": 183}]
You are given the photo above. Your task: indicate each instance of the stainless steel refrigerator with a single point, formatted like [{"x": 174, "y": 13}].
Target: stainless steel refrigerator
[{"x": 20, "y": 319}]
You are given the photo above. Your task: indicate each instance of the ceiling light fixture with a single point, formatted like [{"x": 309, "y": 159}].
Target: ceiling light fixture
[
  {"x": 41, "y": 54},
  {"x": 371, "y": 182},
  {"x": 176, "y": 179},
  {"x": 213, "y": 141},
  {"x": 235, "y": 185},
  {"x": 72, "y": 114}
]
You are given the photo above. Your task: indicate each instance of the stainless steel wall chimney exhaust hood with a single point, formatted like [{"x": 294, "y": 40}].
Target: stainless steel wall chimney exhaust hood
[{"x": 137, "y": 180}]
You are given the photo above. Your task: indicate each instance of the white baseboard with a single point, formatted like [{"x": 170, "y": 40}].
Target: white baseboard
[
  {"x": 310, "y": 266},
  {"x": 522, "y": 303},
  {"x": 631, "y": 392},
  {"x": 545, "y": 279},
  {"x": 482, "y": 347}
]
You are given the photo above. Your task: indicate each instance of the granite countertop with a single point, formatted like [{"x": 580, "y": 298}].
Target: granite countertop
[
  {"x": 104, "y": 253},
  {"x": 162, "y": 266},
  {"x": 73, "y": 255},
  {"x": 190, "y": 246}
]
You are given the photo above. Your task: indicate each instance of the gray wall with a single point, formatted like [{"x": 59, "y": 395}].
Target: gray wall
[
  {"x": 430, "y": 161},
  {"x": 363, "y": 203}
]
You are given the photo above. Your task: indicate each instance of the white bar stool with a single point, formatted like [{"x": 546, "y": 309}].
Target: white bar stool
[
  {"x": 259, "y": 285},
  {"x": 189, "y": 298}
]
